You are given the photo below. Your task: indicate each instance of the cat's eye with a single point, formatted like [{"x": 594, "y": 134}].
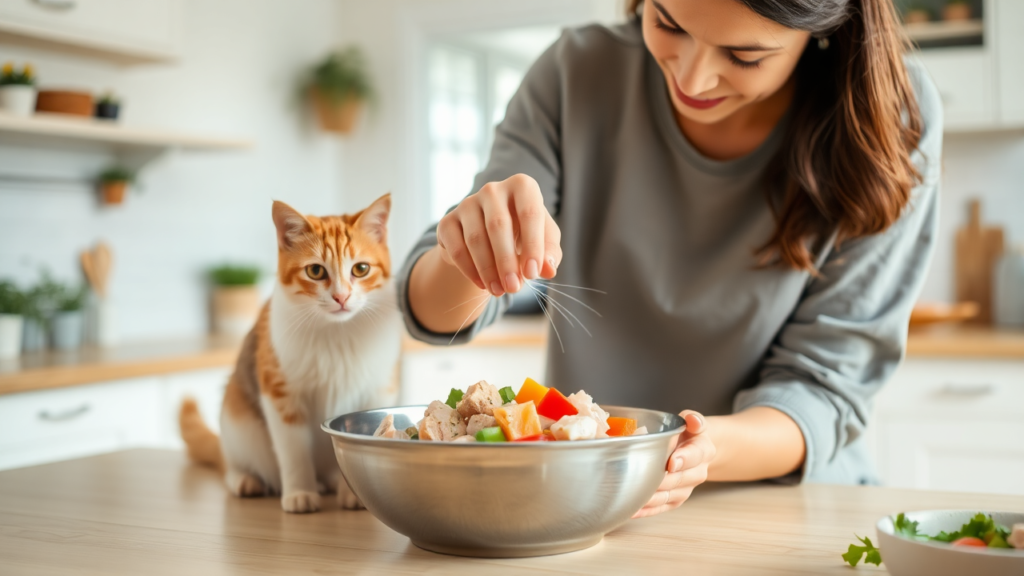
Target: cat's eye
[
  {"x": 316, "y": 272},
  {"x": 361, "y": 269}
]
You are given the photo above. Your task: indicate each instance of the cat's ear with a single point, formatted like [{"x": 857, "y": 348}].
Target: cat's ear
[
  {"x": 374, "y": 219},
  {"x": 292, "y": 226}
]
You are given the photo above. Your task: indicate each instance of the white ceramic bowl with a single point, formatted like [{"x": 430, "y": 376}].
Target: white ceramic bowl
[{"x": 905, "y": 557}]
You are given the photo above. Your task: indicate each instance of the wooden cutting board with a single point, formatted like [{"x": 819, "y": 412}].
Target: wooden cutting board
[{"x": 977, "y": 249}]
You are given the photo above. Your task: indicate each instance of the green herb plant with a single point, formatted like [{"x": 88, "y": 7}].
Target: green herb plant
[
  {"x": 109, "y": 98},
  {"x": 342, "y": 75},
  {"x": 981, "y": 526},
  {"x": 232, "y": 275},
  {"x": 116, "y": 174},
  {"x": 11, "y": 77},
  {"x": 12, "y": 300}
]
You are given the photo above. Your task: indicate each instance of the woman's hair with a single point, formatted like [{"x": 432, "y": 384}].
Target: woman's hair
[{"x": 844, "y": 165}]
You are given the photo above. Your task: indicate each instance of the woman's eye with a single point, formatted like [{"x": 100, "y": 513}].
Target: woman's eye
[
  {"x": 361, "y": 269},
  {"x": 744, "y": 63},
  {"x": 316, "y": 272},
  {"x": 660, "y": 24}
]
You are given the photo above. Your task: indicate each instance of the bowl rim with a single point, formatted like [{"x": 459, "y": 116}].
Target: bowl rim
[
  {"x": 886, "y": 525},
  {"x": 363, "y": 438}
]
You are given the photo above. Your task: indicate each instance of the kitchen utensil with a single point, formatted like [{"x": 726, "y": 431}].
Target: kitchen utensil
[
  {"x": 64, "y": 102},
  {"x": 977, "y": 249},
  {"x": 925, "y": 313},
  {"x": 502, "y": 500},
  {"x": 96, "y": 265},
  {"x": 1008, "y": 305},
  {"x": 903, "y": 556}
]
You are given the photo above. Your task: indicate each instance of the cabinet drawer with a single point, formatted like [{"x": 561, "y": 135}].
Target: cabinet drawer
[
  {"x": 963, "y": 77},
  {"x": 52, "y": 425},
  {"x": 978, "y": 389}
]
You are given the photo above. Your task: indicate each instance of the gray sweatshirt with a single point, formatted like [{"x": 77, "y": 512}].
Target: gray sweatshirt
[{"x": 689, "y": 320}]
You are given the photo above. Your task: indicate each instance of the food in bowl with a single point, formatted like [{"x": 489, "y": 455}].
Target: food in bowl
[
  {"x": 484, "y": 413},
  {"x": 964, "y": 542}
]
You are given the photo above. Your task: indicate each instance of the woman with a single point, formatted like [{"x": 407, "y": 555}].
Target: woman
[{"x": 753, "y": 183}]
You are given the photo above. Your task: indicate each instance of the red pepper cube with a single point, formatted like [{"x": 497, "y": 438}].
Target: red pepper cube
[{"x": 554, "y": 405}]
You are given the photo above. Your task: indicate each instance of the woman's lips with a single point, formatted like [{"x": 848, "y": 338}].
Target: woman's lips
[{"x": 696, "y": 103}]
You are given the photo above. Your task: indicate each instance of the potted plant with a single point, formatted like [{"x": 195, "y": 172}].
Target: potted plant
[
  {"x": 338, "y": 87},
  {"x": 956, "y": 10},
  {"x": 108, "y": 106},
  {"x": 17, "y": 90},
  {"x": 41, "y": 302},
  {"x": 12, "y": 308},
  {"x": 113, "y": 183},
  {"x": 236, "y": 299},
  {"x": 68, "y": 322},
  {"x": 917, "y": 13}
]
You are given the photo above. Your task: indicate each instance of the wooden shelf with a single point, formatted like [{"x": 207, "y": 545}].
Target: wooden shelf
[
  {"x": 78, "y": 45},
  {"x": 939, "y": 31},
  {"x": 966, "y": 341},
  {"x": 80, "y": 129}
]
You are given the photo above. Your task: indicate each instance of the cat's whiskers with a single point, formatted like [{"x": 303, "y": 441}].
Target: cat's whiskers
[
  {"x": 570, "y": 296},
  {"x": 550, "y": 320},
  {"x": 562, "y": 307}
]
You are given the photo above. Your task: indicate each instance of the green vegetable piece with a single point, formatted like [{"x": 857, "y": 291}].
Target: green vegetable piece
[
  {"x": 453, "y": 397},
  {"x": 413, "y": 433},
  {"x": 507, "y": 394},
  {"x": 997, "y": 541},
  {"x": 871, "y": 554},
  {"x": 980, "y": 525},
  {"x": 902, "y": 526},
  {"x": 492, "y": 434}
]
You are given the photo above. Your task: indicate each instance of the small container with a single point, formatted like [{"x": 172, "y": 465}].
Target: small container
[
  {"x": 107, "y": 110},
  {"x": 11, "y": 326},
  {"x": 18, "y": 99},
  {"x": 68, "y": 329},
  {"x": 1008, "y": 290},
  {"x": 33, "y": 335},
  {"x": 64, "y": 102}
]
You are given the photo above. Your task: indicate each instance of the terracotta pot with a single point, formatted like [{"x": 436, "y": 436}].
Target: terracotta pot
[
  {"x": 956, "y": 12},
  {"x": 917, "y": 17},
  {"x": 235, "y": 309},
  {"x": 64, "y": 102},
  {"x": 338, "y": 117},
  {"x": 113, "y": 192}
]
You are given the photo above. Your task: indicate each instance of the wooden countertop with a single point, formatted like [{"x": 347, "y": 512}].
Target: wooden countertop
[
  {"x": 38, "y": 371},
  {"x": 150, "y": 512}
]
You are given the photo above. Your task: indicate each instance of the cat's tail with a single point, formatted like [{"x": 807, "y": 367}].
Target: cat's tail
[{"x": 203, "y": 445}]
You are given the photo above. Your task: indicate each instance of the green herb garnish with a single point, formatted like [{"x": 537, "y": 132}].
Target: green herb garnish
[
  {"x": 507, "y": 394},
  {"x": 871, "y": 554},
  {"x": 453, "y": 397}
]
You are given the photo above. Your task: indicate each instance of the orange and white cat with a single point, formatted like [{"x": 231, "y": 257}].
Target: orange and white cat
[{"x": 326, "y": 343}]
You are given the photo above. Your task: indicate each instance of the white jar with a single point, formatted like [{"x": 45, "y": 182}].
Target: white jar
[
  {"x": 1008, "y": 291},
  {"x": 18, "y": 99},
  {"x": 10, "y": 335}
]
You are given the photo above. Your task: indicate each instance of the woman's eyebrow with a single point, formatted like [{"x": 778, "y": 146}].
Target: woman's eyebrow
[{"x": 745, "y": 48}]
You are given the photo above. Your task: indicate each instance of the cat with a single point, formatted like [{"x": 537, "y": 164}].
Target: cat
[{"x": 326, "y": 343}]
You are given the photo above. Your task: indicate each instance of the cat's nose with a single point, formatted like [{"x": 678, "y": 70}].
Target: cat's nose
[{"x": 341, "y": 298}]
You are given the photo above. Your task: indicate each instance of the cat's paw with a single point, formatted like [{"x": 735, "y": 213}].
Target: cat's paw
[
  {"x": 244, "y": 485},
  {"x": 300, "y": 502},
  {"x": 347, "y": 499}
]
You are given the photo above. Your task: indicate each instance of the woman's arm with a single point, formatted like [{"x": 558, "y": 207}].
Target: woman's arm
[{"x": 754, "y": 444}]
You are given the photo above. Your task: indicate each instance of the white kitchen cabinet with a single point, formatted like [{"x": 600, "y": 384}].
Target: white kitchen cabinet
[
  {"x": 1009, "y": 26},
  {"x": 430, "y": 374},
  {"x": 952, "y": 425},
  {"x": 49, "y": 425},
  {"x": 125, "y": 31},
  {"x": 205, "y": 386}
]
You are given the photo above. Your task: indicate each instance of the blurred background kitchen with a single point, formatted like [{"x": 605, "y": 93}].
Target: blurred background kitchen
[{"x": 142, "y": 141}]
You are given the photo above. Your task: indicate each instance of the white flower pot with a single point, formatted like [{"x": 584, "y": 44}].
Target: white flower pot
[
  {"x": 33, "y": 336},
  {"x": 235, "y": 310},
  {"x": 67, "y": 330},
  {"x": 10, "y": 335},
  {"x": 18, "y": 99}
]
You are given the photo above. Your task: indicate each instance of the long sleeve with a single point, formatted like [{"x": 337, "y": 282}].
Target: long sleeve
[{"x": 848, "y": 333}]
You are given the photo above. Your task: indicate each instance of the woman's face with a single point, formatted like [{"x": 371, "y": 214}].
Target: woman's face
[{"x": 718, "y": 56}]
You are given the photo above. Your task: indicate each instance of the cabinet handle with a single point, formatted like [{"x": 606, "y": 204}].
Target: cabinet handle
[
  {"x": 972, "y": 390},
  {"x": 64, "y": 416},
  {"x": 57, "y": 4}
]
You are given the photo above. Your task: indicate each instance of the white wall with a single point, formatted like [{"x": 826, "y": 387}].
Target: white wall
[
  {"x": 989, "y": 166},
  {"x": 237, "y": 75}
]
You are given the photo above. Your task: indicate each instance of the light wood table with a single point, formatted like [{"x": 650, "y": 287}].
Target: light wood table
[{"x": 150, "y": 512}]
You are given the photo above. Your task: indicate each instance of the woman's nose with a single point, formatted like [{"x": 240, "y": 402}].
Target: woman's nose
[{"x": 697, "y": 73}]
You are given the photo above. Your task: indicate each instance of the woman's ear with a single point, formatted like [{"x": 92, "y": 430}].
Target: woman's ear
[
  {"x": 292, "y": 226},
  {"x": 374, "y": 219}
]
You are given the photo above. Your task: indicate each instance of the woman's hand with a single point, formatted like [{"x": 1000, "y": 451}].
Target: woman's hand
[
  {"x": 501, "y": 235},
  {"x": 687, "y": 467}
]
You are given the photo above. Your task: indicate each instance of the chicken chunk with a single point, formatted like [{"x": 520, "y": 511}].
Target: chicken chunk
[
  {"x": 387, "y": 429},
  {"x": 640, "y": 431},
  {"x": 585, "y": 407},
  {"x": 465, "y": 439},
  {"x": 1016, "y": 538},
  {"x": 478, "y": 422},
  {"x": 480, "y": 398},
  {"x": 441, "y": 423},
  {"x": 574, "y": 428}
]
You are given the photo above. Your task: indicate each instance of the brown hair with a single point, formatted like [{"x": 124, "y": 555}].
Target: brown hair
[{"x": 844, "y": 165}]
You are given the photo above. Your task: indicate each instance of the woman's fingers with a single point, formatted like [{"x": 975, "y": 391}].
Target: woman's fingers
[
  {"x": 450, "y": 238},
  {"x": 500, "y": 228},
  {"x": 694, "y": 421},
  {"x": 665, "y": 501},
  {"x": 530, "y": 213},
  {"x": 552, "y": 247},
  {"x": 475, "y": 234},
  {"x": 691, "y": 453}
]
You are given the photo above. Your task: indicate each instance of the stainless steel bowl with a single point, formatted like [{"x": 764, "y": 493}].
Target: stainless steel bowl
[{"x": 502, "y": 500}]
